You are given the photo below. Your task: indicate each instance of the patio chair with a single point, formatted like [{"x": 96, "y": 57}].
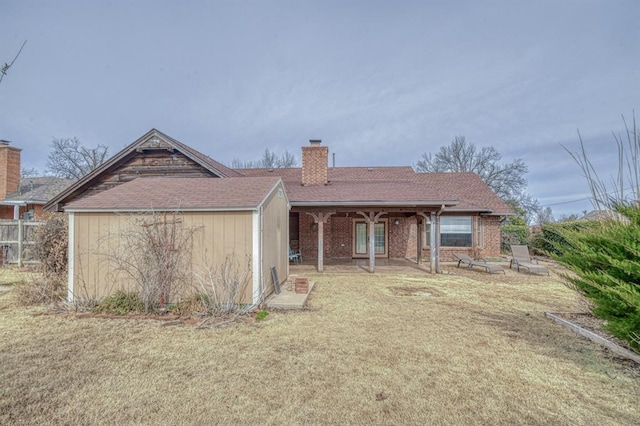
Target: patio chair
[
  {"x": 522, "y": 259},
  {"x": 466, "y": 259},
  {"x": 295, "y": 256}
]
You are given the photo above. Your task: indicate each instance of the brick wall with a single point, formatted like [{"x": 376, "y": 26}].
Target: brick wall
[
  {"x": 9, "y": 169},
  {"x": 491, "y": 233},
  {"x": 314, "y": 164},
  {"x": 341, "y": 237},
  {"x": 403, "y": 237}
]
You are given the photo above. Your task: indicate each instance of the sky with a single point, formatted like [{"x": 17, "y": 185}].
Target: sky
[{"x": 379, "y": 82}]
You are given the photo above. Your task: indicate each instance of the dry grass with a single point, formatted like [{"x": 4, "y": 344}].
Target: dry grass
[{"x": 372, "y": 349}]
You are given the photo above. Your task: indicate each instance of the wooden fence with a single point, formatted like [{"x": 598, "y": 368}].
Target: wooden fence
[{"x": 17, "y": 241}]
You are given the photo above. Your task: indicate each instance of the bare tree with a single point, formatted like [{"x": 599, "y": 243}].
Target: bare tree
[
  {"x": 27, "y": 172},
  {"x": 545, "y": 215},
  {"x": 505, "y": 179},
  {"x": 269, "y": 161},
  {"x": 625, "y": 185},
  {"x": 6, "y": 66},
  {"x": 69, "y": 159}
]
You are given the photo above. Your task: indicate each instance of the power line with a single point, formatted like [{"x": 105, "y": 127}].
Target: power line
[{"x": 584, "y": 199}]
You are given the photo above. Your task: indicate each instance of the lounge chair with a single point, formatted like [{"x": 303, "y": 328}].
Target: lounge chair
[
  {"x": 466, "y": 259},
  {"x": 522, "y": 259},
  {"x": 295, "y": 256}
]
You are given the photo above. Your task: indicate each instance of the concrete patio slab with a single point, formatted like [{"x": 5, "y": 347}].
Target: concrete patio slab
[{"x": 289, "y": 299}]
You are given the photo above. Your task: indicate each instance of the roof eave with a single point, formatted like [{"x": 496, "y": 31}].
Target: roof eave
[
  {"x": 158, "y": 209},
  {"x": 373, "y": 203}
]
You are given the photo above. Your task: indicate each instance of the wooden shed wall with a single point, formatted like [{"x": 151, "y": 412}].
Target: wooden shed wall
[
  {"x": 275, "y": 237},
  {"x": 222, "y": 234},
  {"x": 95, "y": 236}
]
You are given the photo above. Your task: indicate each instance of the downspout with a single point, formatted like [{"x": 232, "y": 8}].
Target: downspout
[
  {"x": 262, "y": 282},
  {"x": 256, "y": 261},
  {"x": 437, "y": 234},
  {"x": 71, "y": 258}
]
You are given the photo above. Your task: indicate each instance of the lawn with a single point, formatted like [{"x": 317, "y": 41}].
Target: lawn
[{"x": 376, "y": 348}]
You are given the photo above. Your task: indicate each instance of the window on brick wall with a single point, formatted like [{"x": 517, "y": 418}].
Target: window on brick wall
[{"x": 456, "y": 231}]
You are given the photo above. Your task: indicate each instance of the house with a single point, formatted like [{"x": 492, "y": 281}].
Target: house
[
  {"x": 24, "y": 198},
  {"x": 325, "y": 212},
  {"x": 387, "y": 212}
]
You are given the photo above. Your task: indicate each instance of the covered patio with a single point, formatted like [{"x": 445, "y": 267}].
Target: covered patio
[{"x": 346, "y": 265}]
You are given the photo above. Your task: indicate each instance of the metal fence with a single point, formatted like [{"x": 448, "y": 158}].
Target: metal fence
[{"x": 17, "y": 241}]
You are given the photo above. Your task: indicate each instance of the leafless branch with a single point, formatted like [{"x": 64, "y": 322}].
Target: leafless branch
[{"x": 6, "y": 66}]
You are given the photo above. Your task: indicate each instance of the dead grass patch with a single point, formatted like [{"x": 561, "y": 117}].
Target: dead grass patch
[
  {"x": 482, "y": 352},
  {"x": 415, "y": 291}
]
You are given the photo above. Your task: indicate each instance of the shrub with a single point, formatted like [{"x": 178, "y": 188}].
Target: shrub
[
  {"x": 153, "y": 251},
  {"x": 51, "y": 243},
  {"x": 605, "y": 256},
  {"x": 513, "y": 234},
  {"x": 190, "y": 306},
  {"x": 551, "y": 236},
  {"x": 41, "y": 290},
  {"x": 223, "y": 287},
  {"x": 120, "y": 303},
  {"x": 50, "y": 249}
]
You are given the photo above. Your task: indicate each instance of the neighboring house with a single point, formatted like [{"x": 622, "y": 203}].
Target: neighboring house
[
  {"x": 333, "y": 212},
  {"x": 24, "y": 198}
]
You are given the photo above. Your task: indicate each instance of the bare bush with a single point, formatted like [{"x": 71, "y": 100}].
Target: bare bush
[
  {"x": 223, "y": 287},
  {"x": 154, "y": 251},
  {"x": 50, "y": 248}
]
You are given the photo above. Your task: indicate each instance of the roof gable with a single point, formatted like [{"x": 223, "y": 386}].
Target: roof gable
[{"x": 153, "y": 154}]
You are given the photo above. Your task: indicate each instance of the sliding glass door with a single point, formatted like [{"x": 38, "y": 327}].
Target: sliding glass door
[{"x": 361, "y": 238}]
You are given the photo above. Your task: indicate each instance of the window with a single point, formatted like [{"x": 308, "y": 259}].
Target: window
[
  {"x": 456, "y": 231},
  {"x": 427, "y": 234}
]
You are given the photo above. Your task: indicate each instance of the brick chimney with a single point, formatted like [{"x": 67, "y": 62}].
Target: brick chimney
[
  {"x": 314, "y": 163},
  {"x": 9, "y": 169}
]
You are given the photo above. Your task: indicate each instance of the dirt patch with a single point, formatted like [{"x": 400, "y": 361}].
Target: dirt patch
[{"x": 415, "y": 291}]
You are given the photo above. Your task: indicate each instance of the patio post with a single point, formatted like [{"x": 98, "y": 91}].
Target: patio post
[
  {"x": 320, "y": 219},
  {"x": 372, "y": 218}
]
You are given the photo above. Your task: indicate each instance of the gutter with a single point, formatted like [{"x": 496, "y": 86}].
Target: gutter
[
  {"x": 375, "y": 203},
  {"x": 163, "y": 209},
  {"x": 437, "y": 226}
]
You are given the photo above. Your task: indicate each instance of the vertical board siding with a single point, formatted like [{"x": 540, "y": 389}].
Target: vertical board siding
[
  {"x": 221, "y": 234},
  {"x": 275, "y": 239}
]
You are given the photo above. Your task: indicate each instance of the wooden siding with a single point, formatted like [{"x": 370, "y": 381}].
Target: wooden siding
[
  {"x": 221, "y": 234},
  {"x": 275, "y": 237},
  {"x": 95, "y": 236},
  {"x": 146, "y": 162}
]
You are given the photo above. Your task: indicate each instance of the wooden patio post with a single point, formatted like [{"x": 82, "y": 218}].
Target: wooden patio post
[
  {"x": 320, "y": 219},
  {"x": 371, "y": 218}
]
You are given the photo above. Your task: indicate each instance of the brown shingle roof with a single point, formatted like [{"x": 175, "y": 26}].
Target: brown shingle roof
[
  {"x": 384, "y": 185},
  {"x": 38, "y": 190},
  {"x": 162, "y": 193}
]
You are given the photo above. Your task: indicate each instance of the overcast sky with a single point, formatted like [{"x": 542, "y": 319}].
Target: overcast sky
[{"x": 380, "y": 82}]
